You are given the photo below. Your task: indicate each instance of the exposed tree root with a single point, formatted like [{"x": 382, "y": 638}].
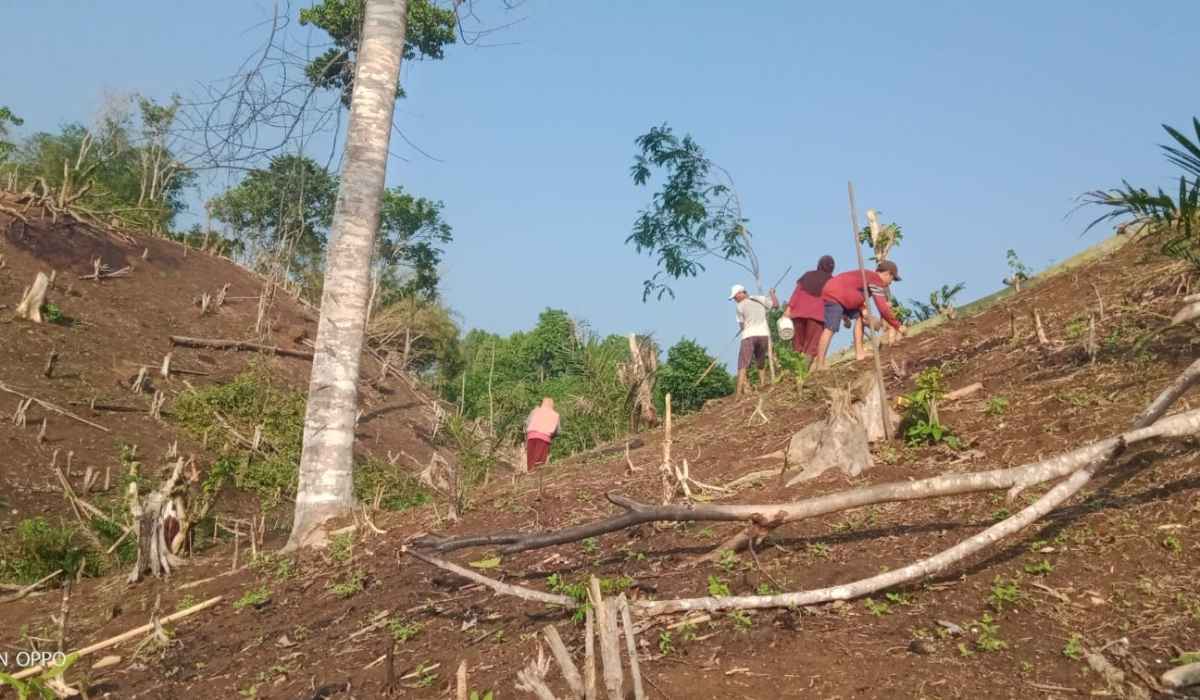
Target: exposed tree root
[{"x": 219, "y": 344}]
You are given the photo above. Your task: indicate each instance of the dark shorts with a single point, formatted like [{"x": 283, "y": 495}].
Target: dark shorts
[
  {"x": 835, "y": 312},
  {"x": 753, "y": 350}
]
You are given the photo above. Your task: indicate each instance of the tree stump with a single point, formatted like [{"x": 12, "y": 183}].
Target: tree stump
[
  {"x": 31, "y": 304},
  {"x": 843, "y": 440},
  {"x": 155, "y": 521}
]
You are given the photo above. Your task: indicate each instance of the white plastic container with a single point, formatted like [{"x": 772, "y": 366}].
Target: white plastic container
[{"x": 786, "y": 331}]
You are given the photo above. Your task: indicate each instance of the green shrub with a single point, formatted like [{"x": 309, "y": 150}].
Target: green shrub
[
  {"x": 400, "y": 491},
  {"x": 920, "y": 424},
  {"x": 40, "y": 549},
  {"x": 251, "y": 400},
  {"x": 683, "y": 377}
]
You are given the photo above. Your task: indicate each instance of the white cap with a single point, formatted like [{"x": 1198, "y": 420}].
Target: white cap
[{"x": 733, "y": 292}]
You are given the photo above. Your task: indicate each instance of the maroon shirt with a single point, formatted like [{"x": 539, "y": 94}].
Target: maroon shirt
[
  {"x": 805, "y": 305},
  {"x": 846, "y": 289}
]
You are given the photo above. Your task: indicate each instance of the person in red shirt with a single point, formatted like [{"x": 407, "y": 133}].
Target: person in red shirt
[
  {"x": 806, "y": 309},
  {"x": 845, "y": 298}
]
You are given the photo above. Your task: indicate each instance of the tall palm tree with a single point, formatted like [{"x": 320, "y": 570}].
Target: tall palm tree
[
  {"x": 1177, "y": 219},
  {"x": 326, "y": 486}
]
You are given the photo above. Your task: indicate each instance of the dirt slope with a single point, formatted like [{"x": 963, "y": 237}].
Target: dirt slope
[
  {"x": 1117, "y": 562},
  {"x": 114, "y": 327}
]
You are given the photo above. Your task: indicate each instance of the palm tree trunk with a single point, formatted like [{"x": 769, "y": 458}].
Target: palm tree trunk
[{"x": 326, "y": 486}]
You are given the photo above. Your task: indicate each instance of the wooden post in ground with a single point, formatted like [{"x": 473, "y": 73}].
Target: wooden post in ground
[{"x": 883, "y": 401}]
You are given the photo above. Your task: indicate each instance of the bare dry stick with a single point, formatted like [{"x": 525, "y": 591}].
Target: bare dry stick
[
  {"x": 51, "y": 407},
  {"x": 589, "y": 655},
  {"x": 165, "y": 370},
  {"x": 532, "y": 679},
  {"x": 1177, "y": 426},
  {"x": 461, "y": 681},
  {"x": 610, "y": 641},
  {"x": 503, "y": 588},
  {"x": 51, "y": 360},
  {"x": 29, "y": 589},
  {"x": 41, "y": 436},
  {"x": 963, "y": 392},
  {"x": 126, "y": 636},
  {"x": 238, "y": 345},
  {"x": 563, "y": 658},
  {"x": 668, "y": 481},
  {"x": 63, "y": 614},
  {"x": 1041, "y": 332},
  {"x": 635, "y": 670}
]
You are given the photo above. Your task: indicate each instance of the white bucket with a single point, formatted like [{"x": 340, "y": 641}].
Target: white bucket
[{"x": 786, "y": 331}]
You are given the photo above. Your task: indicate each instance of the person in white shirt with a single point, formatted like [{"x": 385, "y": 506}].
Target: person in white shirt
[{"x": 752, "y": 320}]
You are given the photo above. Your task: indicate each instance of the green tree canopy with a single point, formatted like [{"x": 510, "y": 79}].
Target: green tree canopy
[
  {"x": 120, "y": 169},
  {"x": 430, "y": 29},
  {"x": 7, "y": 118},
  {"x": 694, "y": 215},
  {"x": 284, "y": 210},
  {"x": 282, "y": 215},
  {"x": 683, "y": 377}
]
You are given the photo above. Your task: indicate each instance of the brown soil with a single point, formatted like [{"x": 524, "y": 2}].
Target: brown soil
[{"x": 1122, "y": 556}]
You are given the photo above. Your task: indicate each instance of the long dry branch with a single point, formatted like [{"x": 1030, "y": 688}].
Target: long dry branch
[
  {"x": 919, "y": 569},
  {"x": 775, "y": 514},
  {"x": 221, "y": 344},
  {"x": 499, "y": 587},
  {"x": 51, "y": 407}
]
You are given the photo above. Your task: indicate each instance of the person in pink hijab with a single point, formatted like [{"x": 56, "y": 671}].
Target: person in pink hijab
[{"x": 540, "y": 429}]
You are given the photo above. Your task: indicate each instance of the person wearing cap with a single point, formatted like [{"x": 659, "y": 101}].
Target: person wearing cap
[
  {"x": 806, "y": 309},
  {"x": 752, "y": 322},
  {"x": 845, "y": 298}
]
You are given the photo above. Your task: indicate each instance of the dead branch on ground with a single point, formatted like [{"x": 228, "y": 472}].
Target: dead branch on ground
[
  {"x": 51, "y": 407},
  {"x": 126, "y": 636},
  {"x": 21, "y": 593},
  {"x": 219, "y": 344}
]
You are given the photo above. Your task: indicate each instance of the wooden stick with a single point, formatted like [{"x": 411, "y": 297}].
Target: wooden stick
[
  {"x": 64, "y": 613},
  {"x": 883, "y": 400},
  {"x": 29, "y": 589},
  {"x": 563, "y": 658},
  {"x": 963, "y": 392},
  {"x": 126, "y": 636},
  {"x": 504, "y": 588},
  {"x": 610, "y": 640},
  {"x": 589, "y": 655},
  {"x": 48, "y": 372},
  {"x": 635, "y": 671},
  {"x": 51, "y": 407},
  {"x": 1041, "y": 332},
  {"x": 461, "y": 680},
  {"x": 238, "y": 345}
]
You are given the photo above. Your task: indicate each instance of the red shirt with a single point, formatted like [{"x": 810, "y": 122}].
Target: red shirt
[{"x": 846, "y": 289}]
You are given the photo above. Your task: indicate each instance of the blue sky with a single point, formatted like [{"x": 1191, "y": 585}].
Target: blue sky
[{"x": 974, "y": 126}]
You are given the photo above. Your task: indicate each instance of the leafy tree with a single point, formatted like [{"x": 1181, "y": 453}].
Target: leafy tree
[
  {"x": 683, "y": 377},
  {"x": 113, "y": 171},
  {"x": 7, "y": 118},
  {"x": 407, "y": 255},
  {"x": 281, "y": 216},
  {"x": 498, "y": 380},
  {"x": 430, "y": 29},
  {"x": 1176, "y": 221},
  {"x": 696, "y": 214},
  {"x": 283, "y": 212}
]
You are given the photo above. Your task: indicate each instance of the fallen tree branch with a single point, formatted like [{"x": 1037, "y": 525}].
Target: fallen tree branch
[
  {"x": 636, "y": 513},
  {"x": 28, "y": 589},
  {"x": 126, "y": 636},
  {"x": 499, "y": 587},
  {"x": 51, "y": 407},
  {"x": 218, "y": 344},
  {"x": 917, "y": 570}
]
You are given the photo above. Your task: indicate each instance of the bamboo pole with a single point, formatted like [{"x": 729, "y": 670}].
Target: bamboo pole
[{"x": 883, "y": 400}]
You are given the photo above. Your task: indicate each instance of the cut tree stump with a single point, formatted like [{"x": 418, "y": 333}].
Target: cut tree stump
[
  {"x": 151, "y": 518},
  {"x": 31, "y": 304}
]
